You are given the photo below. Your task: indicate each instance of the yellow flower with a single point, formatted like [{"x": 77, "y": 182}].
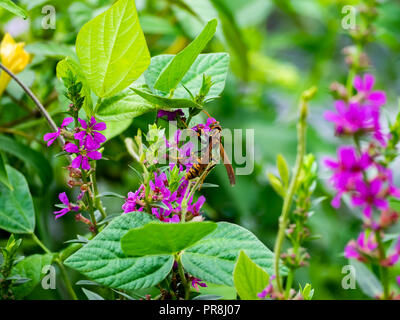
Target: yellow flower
[{"x": 12, "y": 56}]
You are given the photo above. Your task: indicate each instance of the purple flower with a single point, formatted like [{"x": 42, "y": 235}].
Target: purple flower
[
  {"x": 350, "y": 119},
  {"x": 197, "y": 282},
  {"x": 131, "y": 202},
  {"x": 83, "y": 155},
  {"x": 64, "y": 200},
  {"x": 171, "y": 115},
  {"x": 90, "y": 136},
  {"x": 369, "y": 195},
  {"x": 52, "y": 136},
  {"x": 364, "y": 87},
  {"x": 346, "y": 170},
  {"x": 398, "y": 280},
  {"x": 194, "y": 208},
  {"x": 364, "y": 245},
  {"x": 160, "y": 186},
  {"x": 268, "y": 291}
]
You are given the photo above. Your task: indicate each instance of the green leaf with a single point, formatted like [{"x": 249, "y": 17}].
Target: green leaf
[
  {"x": 17, "y": 214},
  {"x": 249, "y": 278},
  {"x": 69, "y": 64},
  {"x": 103, "y": 261},
  {"x": 367, "y": 280},
  {"x": 226, "y": 292},
  {"x": 276, "y": 184},
  {"x": 123, "y": 106},
  {"x": 30, "y": 157},
  {"x": 3, "y": 173},
  {"x": 115, "y": 128},
  {"x": 181, "y": 63},
  {"x": 166, "y": 103},
  {"x": 92, "y": 295},
  {"x": 13, "y": 8},
  {"x": 215, "y": 65},
  {"x": 213, "y": 258},
  {"x": 394, "y": 204},
  {"x": 164, "y": 238},
  {"x": 283, "y": 169},
  {"x": 112, "y": 49},
  {"x": 31, "y": 268}
]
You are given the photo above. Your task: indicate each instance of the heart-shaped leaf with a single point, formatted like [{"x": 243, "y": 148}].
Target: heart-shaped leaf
[
  {"x": 213, "y": 258},
  {"x": 112, "y": 49},
  {"x": 103, "y": 261}
]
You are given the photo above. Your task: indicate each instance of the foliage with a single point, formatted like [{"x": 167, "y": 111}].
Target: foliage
[{"x": 102, "y": 143}]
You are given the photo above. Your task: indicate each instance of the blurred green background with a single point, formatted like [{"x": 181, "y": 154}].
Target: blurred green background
[{"x": 278, "y": 49}]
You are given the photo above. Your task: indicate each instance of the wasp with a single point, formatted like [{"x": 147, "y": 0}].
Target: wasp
[{"x": 201, "y": 163}]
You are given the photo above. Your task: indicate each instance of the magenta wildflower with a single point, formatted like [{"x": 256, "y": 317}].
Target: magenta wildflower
[
  {"x": 197, "y": 282},
  {"x": 89, "y": 135},
  {"x": 368, "y": 195},
  {"x": 83, "y": 155},
  {"x": 346, "y": 170},
  {"x": 268, "y": 291},
  {"x": 52, "y": 136},
  {"x": 131, "y": 203},
  {"x": 365, "y": 245},
  {"x": 64, "y": 200},
  {"x": 350, "y": 119},
  {"x": 364, "y": 87}
]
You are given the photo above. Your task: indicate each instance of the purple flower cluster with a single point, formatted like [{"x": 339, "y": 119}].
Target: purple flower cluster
[
  {"x": 163, "y": 202},
  {"x": 165, "y": 205},
  {"x": 362, "y": 173},
  {"x": 365, "y": 248},
  {"x": 85, "y": 142},
  {"x": 359, "y": 173},
  {"x": 88, "y": 140},
  {"x": 361, "y": 114}
]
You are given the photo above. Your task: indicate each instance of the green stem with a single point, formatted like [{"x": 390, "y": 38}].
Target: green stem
[
  {"x": 90, "y": 202},
  {"x": 383, "y": 271},
  {"x": 67, "y": 283},
  {"x": 289, "y": 282},
  {"x": 64, "y": 274},
  {"x": 301, "y": 147},
  {"x": 182, "y": 276},
  {"x": 40, "y": 244},
  {"x": 97, "y": 200}
]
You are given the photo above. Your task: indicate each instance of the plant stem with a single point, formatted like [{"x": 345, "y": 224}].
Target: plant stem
[
  {"x": 301, "y": 147},
  {"x": 97, "y": 200},
  {"x": 383, "y": 271},
  {"x": 289, "y": 282},
  {"x": 38, "y": 104},
  {"x": 182, "y": 276},
  {"x": 67, "y": 283},
  {"x": 40, "y": 244},
  {"x": 90, "y": 202},
  {"x": 60, "y": 264}
]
